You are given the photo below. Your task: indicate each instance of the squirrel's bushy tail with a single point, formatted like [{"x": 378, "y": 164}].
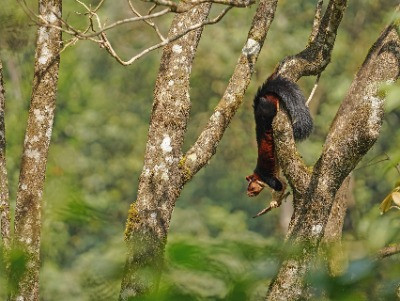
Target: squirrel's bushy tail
[{"x": 294, "y": 102}]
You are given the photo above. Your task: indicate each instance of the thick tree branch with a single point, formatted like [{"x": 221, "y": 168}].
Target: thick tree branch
[
  {"x": 317, "y": 55},
  {"x": 291, "y": 162},
  {"x": 5, "y": 216},
  {"x": 332, "y": 240},
  {"x": 311, "y": 61},
  {"x": 205, "y": 146}
]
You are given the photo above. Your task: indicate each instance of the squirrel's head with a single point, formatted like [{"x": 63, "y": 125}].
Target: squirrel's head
[{"x": 255, "y": 186}]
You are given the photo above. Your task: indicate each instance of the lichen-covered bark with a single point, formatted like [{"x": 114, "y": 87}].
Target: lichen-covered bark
[
  {"x": 4, "y": 192},
  {"x": 317, "y": 55},
  {"x": 36, "y": 145},
  {"x": 205, "y": 146},
  {"x": 352, "y": 133},
  {"x": 332, "y": 240},
  {"x": 161, "y": 180}
]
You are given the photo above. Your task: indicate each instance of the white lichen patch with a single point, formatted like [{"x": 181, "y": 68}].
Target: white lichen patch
[
  {"x": 252, "y": 47},
  {"x": 215, "y": 117},
  {"x": 171, "y": 83},
  {"x": 24, "y": 187},
  {"x": 43, "y": 35},
  {"x": 153, "y": 215},
  {"x": 33, "y": 154},
  {"x": 158, "y": 168},
  {"x": 19, "y": 298},
  {"x": 375, "y": 117},
  {"x": 192, "y": 157},
  {"x": 51, "y": 17},
  {"x": 39, "y": 116},
  {"x": 45, "y": 54},
  {"x": 230, "y": 98},
  {"x": 48, "y": 132},
  {"x": 177, "y": 48},
  {"x": 316, "y": 229},
  {"x": 169, "y": 159},
  {"x": 35, "y": 139},
  {"x": 166, "y": 144},
  {"x": 164, "y": 176}
]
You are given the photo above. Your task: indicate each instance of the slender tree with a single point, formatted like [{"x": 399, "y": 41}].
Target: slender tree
[{"x": 27, "y": 223}]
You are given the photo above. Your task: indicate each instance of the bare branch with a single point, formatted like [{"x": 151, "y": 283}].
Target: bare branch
[
  {"x": 312, "y": 60},
  {"x": 274, "y": 204},
  {"x": 313, "y": 90},
  {"x": 316, "y": 56},
  {"x": 291, "y": 162},
  {"x": 317, "y": 21},
  {"x": 5, "y": 216},
  {"x": 205, "y": 146},
  {"x": 107, "y": 45},
  {"x": 388, "y": 251},
  {"x": 359, "y": 118},
  {"x": 149, "y": 22},
  {"x": 183, "y": 6}
]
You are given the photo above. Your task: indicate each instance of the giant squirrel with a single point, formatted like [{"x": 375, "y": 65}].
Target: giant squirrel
[{"x": 276, "y": 91}]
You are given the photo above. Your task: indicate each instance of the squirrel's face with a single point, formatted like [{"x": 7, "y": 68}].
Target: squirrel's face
[{"x": 255, "y": 185}]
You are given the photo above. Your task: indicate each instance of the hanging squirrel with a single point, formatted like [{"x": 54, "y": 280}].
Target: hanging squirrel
[{"x": 276, "y": 91}]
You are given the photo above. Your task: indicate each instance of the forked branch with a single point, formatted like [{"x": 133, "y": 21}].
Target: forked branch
[{"x": 311, "y": 61}]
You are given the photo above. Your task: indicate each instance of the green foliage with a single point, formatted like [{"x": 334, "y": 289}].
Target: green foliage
[{"x": 215, "y": 250}]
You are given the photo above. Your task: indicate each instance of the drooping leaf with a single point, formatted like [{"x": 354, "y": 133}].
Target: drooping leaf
[
  {"x": 386, "y": 204},
  {"x": 396, "y": 198}
]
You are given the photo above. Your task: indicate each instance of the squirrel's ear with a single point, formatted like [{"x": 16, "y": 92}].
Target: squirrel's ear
[{"x": 249, "y": 178}]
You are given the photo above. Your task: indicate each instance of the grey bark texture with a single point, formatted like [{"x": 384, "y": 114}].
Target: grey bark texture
[
  {"x": 5, "y": 216},
  {"x": 161, "y": 181},
  {"x": 166, "y": 169},
  {"x": 352, "y": 133},
  {"x": 27, "y": 225}
]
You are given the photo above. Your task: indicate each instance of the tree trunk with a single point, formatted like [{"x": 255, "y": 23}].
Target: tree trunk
[
  {"x": 161, "y": 181},
  {"x": 36, "y": 146},
  {"x": 5, "y": 217}
]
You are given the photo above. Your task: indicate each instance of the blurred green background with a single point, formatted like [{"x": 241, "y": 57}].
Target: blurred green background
[{"x": 215, "y": 250}]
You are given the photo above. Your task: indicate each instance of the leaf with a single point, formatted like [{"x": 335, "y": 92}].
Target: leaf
[
  {"x": 386, "y": 204},
  {"x": 396, "y": 198}
]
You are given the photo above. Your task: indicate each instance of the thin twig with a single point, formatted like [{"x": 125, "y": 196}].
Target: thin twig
[
  {"x": 313, "y": 90},
  {"x": 272, "y": 205},
  {"x": 388, "y": 251},
  {"x": 372, "y": 162},
  {"x": 110, "y": 49},
  {"x": 149, "y": 22}
]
